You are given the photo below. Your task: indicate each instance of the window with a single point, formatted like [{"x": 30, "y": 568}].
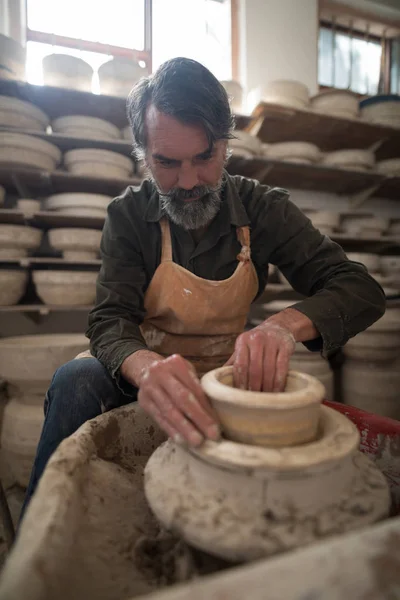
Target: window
[
  {"x": 198, "y": 29},
  {"x": 347, "y": 60}
]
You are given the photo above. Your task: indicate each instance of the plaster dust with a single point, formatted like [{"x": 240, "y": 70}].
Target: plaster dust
[{"x": 79, "y": 538}]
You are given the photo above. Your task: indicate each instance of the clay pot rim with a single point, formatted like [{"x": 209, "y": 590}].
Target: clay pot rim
[
  {"x": 280, "y": 401},
  {"x": 341, "y": 439}
]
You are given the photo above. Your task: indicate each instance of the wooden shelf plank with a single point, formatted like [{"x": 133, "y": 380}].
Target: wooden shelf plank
[
  {"x": 42, "y": 182},
  {"x": 43, "y": 308},
  {"x": 50, "y": 219},
  {"x": 283, "y": 124}
]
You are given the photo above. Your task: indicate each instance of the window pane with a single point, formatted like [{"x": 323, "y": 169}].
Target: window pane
[
  {"x": 202, "y": 32},
  {"x": 118, "y": 23},
  {"x": 353, "y": 63},
  {"x": 395, "y": 70}
]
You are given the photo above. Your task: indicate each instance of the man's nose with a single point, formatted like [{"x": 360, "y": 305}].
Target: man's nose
[{"x": 188, "y": 177}]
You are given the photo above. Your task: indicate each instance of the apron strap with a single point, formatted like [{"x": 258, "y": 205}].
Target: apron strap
[
  {"x": 243, "y": 236},
  {"x": 166, "y": 244},
  {"x": 242, "y": 233}
]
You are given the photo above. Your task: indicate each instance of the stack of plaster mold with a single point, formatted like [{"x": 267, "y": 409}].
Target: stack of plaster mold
[
  {"x": 27, "y": 151},
  {"x": 118, "y": 75},
  {"x": 293, "y": 152},
  {"x": 302, "y": 360},
  {"x": 66, "y": 288},
  {"x": 27, "y": 364},
  {"x": 13, "y": 58},
  {"x": 75, "y": 243},
  {"x": 78, "y": 204},
  {"x": 382, "y": 109},
  {"x": 337, "y": 103},
  {"x": 350, "y": 160},
  {"x": 16, "y": 241},
  {"x": 13, "y": 284},
  {"x": 363, "y": 225},
  {"x": 86, "y": 127},
  {"x": 371, "y": 372},
  {"x": 289, "y": 93},
  {"x": 92, "y": 162},
  {"x": 245, "y": 145},
  {"x": 21, "y": 114},
  {"x": 66, "y": 71}
]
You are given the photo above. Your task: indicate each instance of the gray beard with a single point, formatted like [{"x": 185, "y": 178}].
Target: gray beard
[{"x": 195, "y": 214}]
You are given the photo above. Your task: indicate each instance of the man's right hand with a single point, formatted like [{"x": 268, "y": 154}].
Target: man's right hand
[{"x": 170, "y": 392}]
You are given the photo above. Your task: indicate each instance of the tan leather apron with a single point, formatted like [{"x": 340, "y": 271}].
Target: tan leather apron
[{"x": 198, "y": 318}]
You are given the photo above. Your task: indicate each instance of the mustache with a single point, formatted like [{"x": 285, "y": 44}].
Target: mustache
[{"x": 198, "y": 191}]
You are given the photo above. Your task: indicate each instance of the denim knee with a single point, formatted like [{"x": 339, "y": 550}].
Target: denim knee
[{"x": 83, "y": 383}]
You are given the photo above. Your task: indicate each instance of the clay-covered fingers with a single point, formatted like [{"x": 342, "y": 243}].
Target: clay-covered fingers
[
  {"x": 241, "y": 364},
  {"x": 282, "y": 366}
]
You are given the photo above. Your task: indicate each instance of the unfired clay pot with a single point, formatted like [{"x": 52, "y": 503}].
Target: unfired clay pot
[
  {"x": 28, "y": 362},
  {"x": 373, "y": 387},
  {"x": 21, "y": 427},
  {"x": 244, "y": 502},
  {"x": 380, "y": 342},
  {"x": 266, "y": 419},
  {"x": 66, "y": 287}
]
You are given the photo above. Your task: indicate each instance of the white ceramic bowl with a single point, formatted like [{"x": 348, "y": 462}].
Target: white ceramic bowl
[
  {"x": 18, "y": 149},
  {"x": 82, "y": 126},
  {"x": 64, "y": 70},
  {"x": 12, "y": 286},
  {"x": 66, "y": 287}
]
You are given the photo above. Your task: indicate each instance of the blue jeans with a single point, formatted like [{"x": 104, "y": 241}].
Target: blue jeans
[{"x": 80, "y": 390}]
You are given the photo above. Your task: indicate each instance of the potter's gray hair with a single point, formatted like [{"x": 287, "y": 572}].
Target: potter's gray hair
[{"x": 185, "y": 90}]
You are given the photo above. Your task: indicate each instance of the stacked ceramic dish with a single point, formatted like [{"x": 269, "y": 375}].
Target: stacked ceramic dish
[
  {"x": 295, "y": 152},
  {"x": 390, "y": 167},
  {"x": 12, "y": 285},
  {"x": 235, "y": 93},
  {"x": 63, "y": 70},
  {"x": 76, "y": 244},
  {"x": 21, "y": 114},
  {"x": 65, "y": 287},
  {"x": 79, "y": 205},
  {"x": 18, "y": 149},
  {"x": 118, "y": 76},
  {"x": 350, "y": 160},
  {"x": 326, "y": 221},
  {"x": 93, "y": 162},
  {"x": 383, "y": 109},
  {"x": 28, "y": 206},
  {"x": 13, "y": 57},
  {"x": 287, "y": 93},
  {"x": 86, "y": 127},
  {"x": 364, "y": 225},
  {"x": 245, "y": 145},
  {"x": 17, "y": 240},
  {"x": 338, "y": 103}
]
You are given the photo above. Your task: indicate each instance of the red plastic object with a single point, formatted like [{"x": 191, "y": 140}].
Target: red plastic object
[{"x": 380, "y": 441}]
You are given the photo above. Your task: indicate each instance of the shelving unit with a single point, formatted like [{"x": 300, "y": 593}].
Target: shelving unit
[{"x": 49, "y": 219}]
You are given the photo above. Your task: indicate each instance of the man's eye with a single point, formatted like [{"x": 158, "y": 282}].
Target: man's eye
[{"x": 167, "y": 163}]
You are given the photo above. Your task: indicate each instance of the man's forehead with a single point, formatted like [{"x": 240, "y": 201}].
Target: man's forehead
[{"x": 170, "y": 137}]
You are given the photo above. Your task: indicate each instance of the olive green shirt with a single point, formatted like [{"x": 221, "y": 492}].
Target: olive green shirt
[{"x": 342, "y": 299}]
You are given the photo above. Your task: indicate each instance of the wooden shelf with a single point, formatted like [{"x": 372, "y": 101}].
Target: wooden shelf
[
  {"x": 59, "y": 102},
  {"x": 42, "y": 261},
  {"x": 49, "y": 219},
  {"x": 318, "y": 178},
  {"x": 69, "y": 142},
  {"x": 43, "y": 309},
  {"x": 282, "y": 124},
  {"x": 30, "y": 182}
]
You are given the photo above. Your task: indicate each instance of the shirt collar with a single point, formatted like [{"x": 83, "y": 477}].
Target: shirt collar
[{"x": 230, "y": 197}]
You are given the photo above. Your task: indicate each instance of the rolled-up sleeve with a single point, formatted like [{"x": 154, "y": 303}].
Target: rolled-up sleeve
[
  {"x": 342, "y": 298},
  {"x": 114, "y": 322}
]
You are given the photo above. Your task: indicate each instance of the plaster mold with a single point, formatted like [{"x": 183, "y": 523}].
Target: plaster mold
[
  {"x": 21, "y": 114},
  {"x": 86, "y": 127},
  {"x": 93, "y": 162},
  {"x": 64, "y": 70},
  {"x": 66, "y": 287},
  {"x": 12, "y": 286},
  {"x": 380, "y": 342},
  {"x": 17, "y": 240},
  {"x": 338, "y": 103},
  {"x": 20, "y": 150},
  {"x": 76, "y": 243}
]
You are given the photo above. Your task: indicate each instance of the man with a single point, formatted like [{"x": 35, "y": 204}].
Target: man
[{"x": 183, "y": 257}]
